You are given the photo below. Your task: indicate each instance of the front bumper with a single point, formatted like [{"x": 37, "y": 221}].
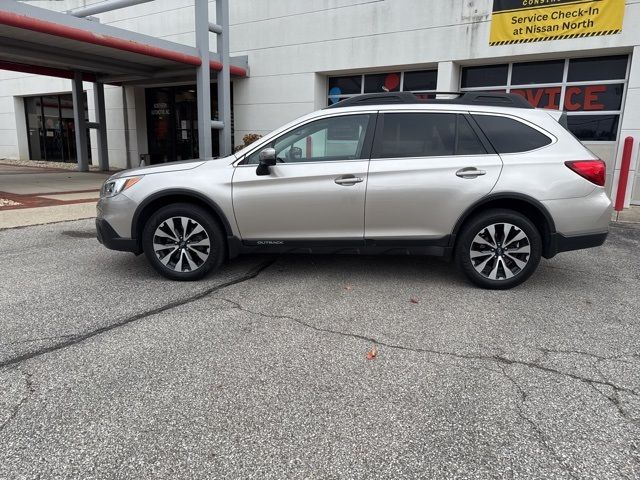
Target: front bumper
[
  {"x": 108, "y": 237},
  {"x": 118, "y": 211}
]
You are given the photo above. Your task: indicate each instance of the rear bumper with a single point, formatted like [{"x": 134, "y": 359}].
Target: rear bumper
[
  {"x": 108, "y": 237},
  {"x": 576, "y": 216},
  {"x": 561, "y": 243}
]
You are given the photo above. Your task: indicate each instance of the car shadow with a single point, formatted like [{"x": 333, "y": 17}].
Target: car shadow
[{"x": 406, "y": 269}]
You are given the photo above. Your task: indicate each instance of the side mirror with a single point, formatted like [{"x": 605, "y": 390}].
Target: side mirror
[{"x": 267, "y": 158}]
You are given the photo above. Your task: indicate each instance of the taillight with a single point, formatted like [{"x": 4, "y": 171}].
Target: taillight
[{"x": 593, "y": 170}]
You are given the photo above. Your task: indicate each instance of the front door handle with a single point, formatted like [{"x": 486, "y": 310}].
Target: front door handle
[
  {"x": 470, "y": 172},
  {"x": 348, "y": 180}
]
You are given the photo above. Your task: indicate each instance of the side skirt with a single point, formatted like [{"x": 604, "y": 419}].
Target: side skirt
[{"x": 440, "y": 247}]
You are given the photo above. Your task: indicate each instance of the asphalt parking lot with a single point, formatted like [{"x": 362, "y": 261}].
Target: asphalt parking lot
[{"x": 261, "y": 371}]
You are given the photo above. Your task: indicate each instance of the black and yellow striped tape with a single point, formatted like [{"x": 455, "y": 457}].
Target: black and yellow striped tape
[{"x": 556, "y": 37}]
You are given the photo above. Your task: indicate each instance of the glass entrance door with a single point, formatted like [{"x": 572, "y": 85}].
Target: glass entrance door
[
  {"x": 51, "y": 128},
  {"x": 172, "y": 123},
  {"x": 33, "y": 110},
  {"x": 160, "y": 128},
  {"x": 68, "y": 128},
  {"x": 186, "y": 123}
]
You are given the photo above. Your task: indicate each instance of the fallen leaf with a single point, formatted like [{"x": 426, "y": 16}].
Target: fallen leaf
[
  {"x": 372, "y": 353},
  {"x": 414, "y": 300}
]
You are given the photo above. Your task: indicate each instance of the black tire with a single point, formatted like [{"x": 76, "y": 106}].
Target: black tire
[
  {"x": 184, "y": 259},
  {"x": 504, "y": 258}
]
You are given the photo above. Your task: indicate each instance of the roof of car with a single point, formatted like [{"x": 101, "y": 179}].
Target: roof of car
[{"x": 488, "y": 99}]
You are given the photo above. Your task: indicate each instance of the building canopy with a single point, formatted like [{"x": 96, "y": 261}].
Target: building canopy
[{"x": 41, "y": 41}]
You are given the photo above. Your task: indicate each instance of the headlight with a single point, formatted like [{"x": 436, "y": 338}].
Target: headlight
[{"x": 111, "y": 188}]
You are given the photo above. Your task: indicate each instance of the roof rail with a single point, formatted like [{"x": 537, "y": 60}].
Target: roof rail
[{"x": 462, "y": 98}]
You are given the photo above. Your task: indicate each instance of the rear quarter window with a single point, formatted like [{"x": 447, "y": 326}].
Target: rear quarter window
[{"x": 511, "y": 136}]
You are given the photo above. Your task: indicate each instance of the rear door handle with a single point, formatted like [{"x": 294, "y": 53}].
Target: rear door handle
[
  {"x": 348, "y": 180},
  {"x": 470, "y": 172}
]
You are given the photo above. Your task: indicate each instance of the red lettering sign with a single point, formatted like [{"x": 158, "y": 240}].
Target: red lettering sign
[
  {"x": 587, "y": 98},
  {"x": 554, "y": 97},
  {"x": 569, "y": 103},
  {"x": 534, "y": 98},
  {"x": 541, "y": 97},
  {"x": 591, "y": 97}
]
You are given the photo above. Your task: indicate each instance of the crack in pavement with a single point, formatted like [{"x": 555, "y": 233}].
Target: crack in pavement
[
  {"x": 30, "y": 391},
  {"x": 496, "y": 358},
  {"x": 33, "y": 340},
  {"x": 534, "y": 426},
  {"x": 615, "y": 397},
  {"x": 76, "y": 339},
  {"x": 502, "y": 363},
  {"x": 599, "y": 358}
]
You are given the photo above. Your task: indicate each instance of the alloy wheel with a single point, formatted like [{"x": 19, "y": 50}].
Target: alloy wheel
[
  {"x": 181, "y": 244},
  {"x": 500, "y": 251}
]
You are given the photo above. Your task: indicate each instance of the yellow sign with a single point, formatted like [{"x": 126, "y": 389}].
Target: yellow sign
[{"x": 521, "y": 21}]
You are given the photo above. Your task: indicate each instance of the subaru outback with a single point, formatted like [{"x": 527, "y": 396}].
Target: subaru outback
[{"x": 483, "y": 179}]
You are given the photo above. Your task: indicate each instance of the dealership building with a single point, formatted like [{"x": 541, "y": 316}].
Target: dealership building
[{"x": 305, "y": 55}]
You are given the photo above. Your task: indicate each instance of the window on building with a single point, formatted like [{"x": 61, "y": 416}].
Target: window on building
[
  {"x": 595, "y": 128},
  {"x": 383, "y": 82},
  {"x": 51, "y": 128},
  {"x": 489, "y": 76},
  {"x": 600, "y": 68},
  {"x": 532, "y": 73},
  {"x": 508, "y": 135},
  {"x": 419, "y": 82},
  {"x": 592, "y": 88},
  {"x": 351, "y": 85}
]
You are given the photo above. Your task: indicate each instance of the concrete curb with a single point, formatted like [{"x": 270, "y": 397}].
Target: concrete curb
[
  {"x": 628, "y": 215},
  {"x": 42, "y": 215}
]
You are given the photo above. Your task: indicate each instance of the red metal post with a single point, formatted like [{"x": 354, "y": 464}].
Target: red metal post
[{"x": 624, "y": 173}]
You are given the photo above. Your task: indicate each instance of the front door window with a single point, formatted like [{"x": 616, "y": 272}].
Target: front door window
[{"x": 329, "y": 139}]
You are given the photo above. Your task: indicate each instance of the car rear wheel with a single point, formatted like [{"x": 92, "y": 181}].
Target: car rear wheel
[
  {"x": 183, "y": 242},
  {"x": 499, "y": 249}
]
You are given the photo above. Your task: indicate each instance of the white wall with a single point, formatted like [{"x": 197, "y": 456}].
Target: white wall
[{"x": 289, "y": 41}]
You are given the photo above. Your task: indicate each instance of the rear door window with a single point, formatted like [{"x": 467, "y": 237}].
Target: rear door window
[
  {"x": 508, "y": 135},
  {"x": 416, "y": 135},
  {"x": 410, "y": 135},
  {"x": 468, "y": 142}
]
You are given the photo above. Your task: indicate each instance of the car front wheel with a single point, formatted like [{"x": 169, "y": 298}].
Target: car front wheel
[
  {"x": 183, "y": 242},
  {"x": 499, "y": 249}
]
